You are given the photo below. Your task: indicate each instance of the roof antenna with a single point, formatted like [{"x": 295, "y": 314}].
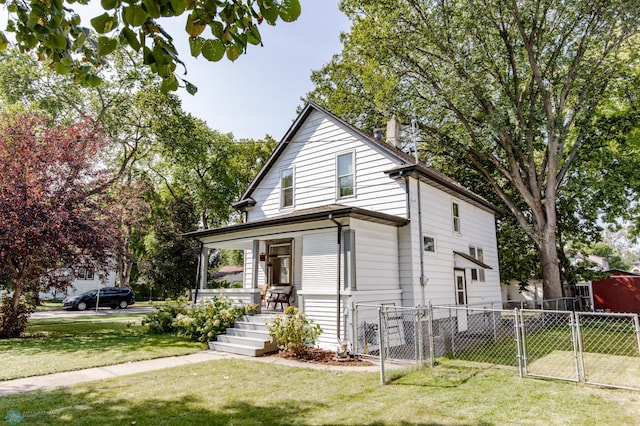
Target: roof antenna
[{"x": 414, "y": 138}]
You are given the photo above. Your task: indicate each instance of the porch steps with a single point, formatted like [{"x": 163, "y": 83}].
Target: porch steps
[{"x": 248, "y": 337}]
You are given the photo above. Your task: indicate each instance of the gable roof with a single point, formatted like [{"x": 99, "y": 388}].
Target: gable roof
[{"x": 408, "y": 165}]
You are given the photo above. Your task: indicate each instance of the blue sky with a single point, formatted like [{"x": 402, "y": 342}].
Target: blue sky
[{"x": 258, "y": 94}]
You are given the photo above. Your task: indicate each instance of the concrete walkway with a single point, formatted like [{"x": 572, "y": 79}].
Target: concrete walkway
[{"x": 68, "y": 378}]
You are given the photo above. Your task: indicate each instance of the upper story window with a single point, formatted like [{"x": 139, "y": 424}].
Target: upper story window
[
  {"x": 345, "y": 175},
  {"x": 456, "y": 217},
  {"x": 477, "y": 253},
  {"x": 286, "y": 188}
]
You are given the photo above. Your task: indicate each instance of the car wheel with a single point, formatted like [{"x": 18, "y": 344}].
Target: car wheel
[
  {"x": 123, "y": 304},
  {"x": 82, "y": 306}
]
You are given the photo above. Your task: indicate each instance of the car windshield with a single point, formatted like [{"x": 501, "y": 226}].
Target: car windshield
[{"x": 90, "y": 293}]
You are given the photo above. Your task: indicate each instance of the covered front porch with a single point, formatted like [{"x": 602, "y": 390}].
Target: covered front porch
[{"x": 308, "y": 259}]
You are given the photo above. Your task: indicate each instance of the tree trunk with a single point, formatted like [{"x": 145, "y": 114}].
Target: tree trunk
[{"x": 550, "y": 264}]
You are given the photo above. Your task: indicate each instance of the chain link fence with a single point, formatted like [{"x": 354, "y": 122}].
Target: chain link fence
[{"x": 599, "y": 349}]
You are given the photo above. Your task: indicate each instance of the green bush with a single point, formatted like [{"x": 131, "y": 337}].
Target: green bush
[
  {"x": 162, "y": 320},
  {"x": 13, "y": 323},
  {"x": 204, "y": 322},
  {"x": 201, "y": 322},
  {"x": 293, "y": 332}
]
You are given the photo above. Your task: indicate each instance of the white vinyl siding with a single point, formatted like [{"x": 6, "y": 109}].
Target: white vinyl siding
[
  {"x": 479, "y": 230},
  {"x": 319, "y": 262},
  {"x": 313, "y": 151},
  {"x": 376, "y": 256}
]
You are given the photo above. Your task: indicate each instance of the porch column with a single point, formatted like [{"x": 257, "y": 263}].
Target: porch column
[{"x": 204, "y": 263}]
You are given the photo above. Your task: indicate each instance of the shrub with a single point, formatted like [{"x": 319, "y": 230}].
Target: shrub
[
  {"x": 162, "y": 320},
  {"x": 13, "y": 323},
  {"x": 204, "y": 322},
  {"x": 293, "y": 332}
]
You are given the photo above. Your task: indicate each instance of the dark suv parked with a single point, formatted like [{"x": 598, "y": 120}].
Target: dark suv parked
[{"x": 113, "y": 297}]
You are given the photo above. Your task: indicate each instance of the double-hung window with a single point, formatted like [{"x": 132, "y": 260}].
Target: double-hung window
[
  {"x": 345, "y": 175},
  {"x": 286, "y": 188},
  {"x": 477, "y": 274},
  {"x": 455, "y": 210}
]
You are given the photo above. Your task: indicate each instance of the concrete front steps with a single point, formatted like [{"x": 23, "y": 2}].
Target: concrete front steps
[{"x": 249, "y": 337}]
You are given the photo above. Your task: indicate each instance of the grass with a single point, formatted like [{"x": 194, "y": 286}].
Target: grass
[
  {"x": 66, "y": 344},
  {"x": 253, "y": 393}
]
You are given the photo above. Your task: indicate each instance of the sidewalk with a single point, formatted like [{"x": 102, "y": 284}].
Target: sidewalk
[{"x": 68, "y": 378}]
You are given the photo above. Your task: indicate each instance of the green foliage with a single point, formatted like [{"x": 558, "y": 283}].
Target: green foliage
[
  {"x": 293, "y": 332},
  {"x": 56, "y": 34},
  {"x": 204, "y": 322},
  {"x": 508, "y": 91},
  {"x": 14, "y": 322},
  {"x": 201, "y": 323},
  {"x": 162, "y": 319}
]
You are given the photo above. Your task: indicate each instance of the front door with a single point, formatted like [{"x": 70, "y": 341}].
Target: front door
[
  {"x": 461, "y": 298},
  {"x": 280, "y": 264}
]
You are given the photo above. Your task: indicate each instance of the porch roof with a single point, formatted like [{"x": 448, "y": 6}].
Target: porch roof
[
  {"x": 335, "y": 211},
  {"x": 463, "y": 260}
]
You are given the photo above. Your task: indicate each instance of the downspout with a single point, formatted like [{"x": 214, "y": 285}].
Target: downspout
[
  {"x": 339, "y": 225},
  {"x": 421, "y": 242}
]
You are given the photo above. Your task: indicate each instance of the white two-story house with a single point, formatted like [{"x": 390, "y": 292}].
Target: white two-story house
[{"x": 345, "y": 218}]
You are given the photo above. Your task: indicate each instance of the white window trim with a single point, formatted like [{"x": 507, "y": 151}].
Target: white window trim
[
  {"x": 481, "y": 271},
  {"x": 353, "y": 168},
  {"x": 293, "y": 188},
  {"x": 435, "y": 244},
  {"x": 453, "y": 219}
]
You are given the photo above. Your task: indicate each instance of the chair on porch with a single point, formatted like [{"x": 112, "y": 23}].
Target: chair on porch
[{"x": 279, "y": 295}]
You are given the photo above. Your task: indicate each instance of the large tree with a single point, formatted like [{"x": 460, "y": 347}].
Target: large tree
[
  {"x": 509, "y": 87},
  {"x": 53, "y": 215},
  {"x": 56, "y": 33}
]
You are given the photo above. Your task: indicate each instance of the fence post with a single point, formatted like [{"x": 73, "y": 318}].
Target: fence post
[
  {"x": 432, "y": 350},
  {"x": 580, "y": 348},
  {"x": 523, "y": 343},
  {"x": 516, "y": 326},
  {"x": 636, "y": 323},
  {"x": 418, "y": 326},
  {"x": 574, "y": 336},
  {"x": 453, "y": 338},
  {"x": 354, "y": 330},
  {"x": 381, "y": 342}
]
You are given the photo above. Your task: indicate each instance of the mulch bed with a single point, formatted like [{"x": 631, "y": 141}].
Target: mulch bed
[{"x": 321, "y": 356}]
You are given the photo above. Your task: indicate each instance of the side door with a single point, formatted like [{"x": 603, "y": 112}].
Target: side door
[{"x": 461, "y": 298}]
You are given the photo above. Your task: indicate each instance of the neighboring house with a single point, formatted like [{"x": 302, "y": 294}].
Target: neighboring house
[
  {"x": 84, "y": 280},
  {"x": 348, "y": 219},
  {"x": 620, "y": 292},
  {"x": 514, "y": 297},
  {"x": 229, "y": 273},
  {"x": 598, "y": 262}
]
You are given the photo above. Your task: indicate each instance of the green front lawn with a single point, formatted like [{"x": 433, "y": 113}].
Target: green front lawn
[
  {"x": 254, "y": 393},
  {"x": 65, "y": 344}
]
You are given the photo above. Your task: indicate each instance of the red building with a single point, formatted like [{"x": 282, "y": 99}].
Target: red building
[{"x": 618, "y": 293}]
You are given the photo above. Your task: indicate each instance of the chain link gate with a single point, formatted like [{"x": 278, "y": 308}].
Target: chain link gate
[
  {"x": 610, "y": 349},
  {"x": 549, "y": 345}
]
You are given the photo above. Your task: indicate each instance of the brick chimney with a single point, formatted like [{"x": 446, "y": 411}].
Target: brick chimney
[{"x": 393, "y": 132}]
